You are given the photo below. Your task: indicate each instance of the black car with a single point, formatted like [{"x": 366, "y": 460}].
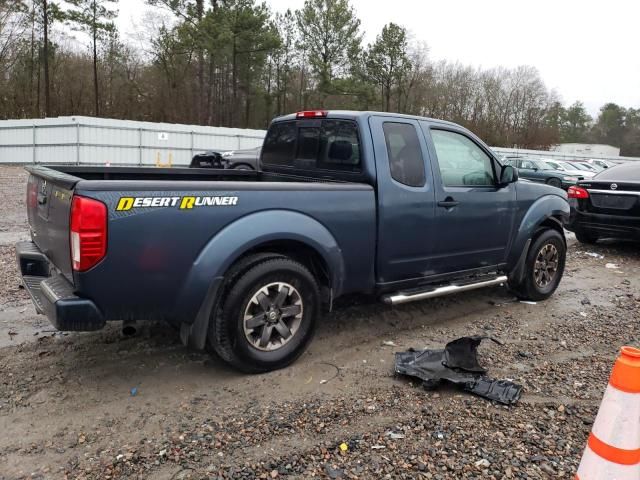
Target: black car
[
  {"x": 607, "y": 205},
  {"x": 541, "y": 172},
  {"x": 246, "y": 159},
  {"x": 208, "y": 159},
  {"x": 229, "y": 159}
]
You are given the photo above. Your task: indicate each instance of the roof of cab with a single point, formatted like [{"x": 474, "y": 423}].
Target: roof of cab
[{"x": 358, "y": 113}]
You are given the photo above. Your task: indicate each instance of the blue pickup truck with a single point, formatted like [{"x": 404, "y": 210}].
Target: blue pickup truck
[{"x": 397, "y": 207}]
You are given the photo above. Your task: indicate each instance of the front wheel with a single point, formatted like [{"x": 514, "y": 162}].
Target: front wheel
[
  {"x": 268, "y": 316},
  {"x": 554, "y": 182},
  {"x": 543, "y": 267}
]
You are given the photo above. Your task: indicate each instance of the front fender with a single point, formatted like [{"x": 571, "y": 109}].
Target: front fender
[
  {"x": 242, "y": 235},
  {"x": 545, "y": 207}
]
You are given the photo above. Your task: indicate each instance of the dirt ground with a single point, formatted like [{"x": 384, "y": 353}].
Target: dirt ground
[{"x": 100, "y": 405}]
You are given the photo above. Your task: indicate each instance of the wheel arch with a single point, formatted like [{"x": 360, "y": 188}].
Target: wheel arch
[
  {"x": 276, "y": 231},
  {"x": 549, "y": 211},
  {"x": 301, "y": 252}
]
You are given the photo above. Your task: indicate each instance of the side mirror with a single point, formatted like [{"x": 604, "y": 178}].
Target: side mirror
[{"x": 508, "y": 175}]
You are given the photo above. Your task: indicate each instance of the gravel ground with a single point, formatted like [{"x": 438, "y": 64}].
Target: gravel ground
[{"x": 67, "y": 408}]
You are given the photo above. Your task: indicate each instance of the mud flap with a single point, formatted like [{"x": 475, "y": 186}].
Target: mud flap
[
  {"x": 195, "y": 335},
  {"x": 457, "y": 363}
]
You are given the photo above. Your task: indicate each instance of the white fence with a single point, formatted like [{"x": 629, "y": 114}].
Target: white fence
[
  {"x": 100, "y": 141},
  {"x": 88, "y": 140}
]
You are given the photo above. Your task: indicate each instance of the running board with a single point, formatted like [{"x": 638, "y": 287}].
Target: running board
[{"x": 397, "y": 298}]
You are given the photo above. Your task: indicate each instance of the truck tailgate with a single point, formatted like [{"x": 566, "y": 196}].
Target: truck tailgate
[{"x": 48, "y": 210}]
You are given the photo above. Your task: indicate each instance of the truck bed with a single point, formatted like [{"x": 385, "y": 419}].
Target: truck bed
[
  {"x": 69, "y": 175},
  {"x": 170, "y": 229}
]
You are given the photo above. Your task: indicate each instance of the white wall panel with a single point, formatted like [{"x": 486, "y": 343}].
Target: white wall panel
[
  {"x": 98, "y": 141},
  {"x": 18, "y": 154},
  {"x": 16, "y": 136}
]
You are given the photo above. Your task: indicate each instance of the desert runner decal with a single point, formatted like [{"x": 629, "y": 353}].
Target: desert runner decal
[{"x": 182, "y": 203}]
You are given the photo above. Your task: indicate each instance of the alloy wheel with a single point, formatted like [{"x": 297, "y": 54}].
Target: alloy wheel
[
  {"x": 273, "y": 316},
  {"x": 546, "y": 266}
]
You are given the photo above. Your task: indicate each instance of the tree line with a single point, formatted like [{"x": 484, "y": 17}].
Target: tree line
[{"x": 236, "y": 63}]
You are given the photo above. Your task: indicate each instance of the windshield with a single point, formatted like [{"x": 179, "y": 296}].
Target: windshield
[
  {"x": 555, "y": 165},
  {"x": 580, "y": 166},
  {"x": 596, "y": 167},
  {"x": 566, "y": 166},
  {"x": 543, "y": 165}
]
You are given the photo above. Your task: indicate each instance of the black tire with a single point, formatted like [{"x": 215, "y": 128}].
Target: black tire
[
  {"x": 533, "y": 284},
  {"x": 242, "y": 166},
  {"x": 554, "y": 182},
  {"x": 587, "y": 238},
  {"x": 230, "y": 338}
]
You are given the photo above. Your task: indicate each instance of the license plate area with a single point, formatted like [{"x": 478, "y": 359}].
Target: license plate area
[{"x": 618, "y": 202}]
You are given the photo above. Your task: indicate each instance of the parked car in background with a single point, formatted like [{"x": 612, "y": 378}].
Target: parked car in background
[
  {"x": 541, "y": 172},
  {"x": 246, "y": 159},
  {"x": 608, "y": 205},
  {"x": 230, "y": 159},
  {"x": 587, "y": 167},
  {"x": 569, "y": 169},
  {"x": 603, "y": 163},
  {"x": 208, "y": 159}
]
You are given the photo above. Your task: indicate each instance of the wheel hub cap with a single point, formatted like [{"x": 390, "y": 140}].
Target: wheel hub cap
[
  {"x": 273, "y": 316},
  {"x": 546, "y": 265}
]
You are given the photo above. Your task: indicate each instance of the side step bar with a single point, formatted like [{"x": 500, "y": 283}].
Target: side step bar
[{"x": 397, "y": 298}]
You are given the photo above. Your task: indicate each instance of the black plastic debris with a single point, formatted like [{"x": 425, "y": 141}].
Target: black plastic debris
[{"x": 457, "y": 364}]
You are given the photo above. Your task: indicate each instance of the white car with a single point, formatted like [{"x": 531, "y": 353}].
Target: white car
[
  {"x": 568, "y": 168},
  {"x": 602, "y": 163}
]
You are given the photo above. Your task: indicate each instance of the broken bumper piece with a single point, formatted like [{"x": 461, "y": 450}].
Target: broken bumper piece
[{"x": 457, "y": 364}]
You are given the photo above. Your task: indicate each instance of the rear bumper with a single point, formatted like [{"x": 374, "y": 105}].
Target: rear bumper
[
  {"x": 604, "y": 225},
  {"x": 53, "y": 295}
]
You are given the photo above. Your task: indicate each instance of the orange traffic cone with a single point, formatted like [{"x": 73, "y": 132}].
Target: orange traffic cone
[{"x": 613, "y": 448}]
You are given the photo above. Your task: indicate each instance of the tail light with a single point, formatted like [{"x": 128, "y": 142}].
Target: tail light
[
  {"x": 88, "y": 232},
  {"x": 575, "y": 191},
  {"x": 32, "y": 192},
  {"x": 312, "y": 114}
]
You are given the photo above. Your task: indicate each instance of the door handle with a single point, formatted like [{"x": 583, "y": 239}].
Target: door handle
[{"x": 448, "y": 203}]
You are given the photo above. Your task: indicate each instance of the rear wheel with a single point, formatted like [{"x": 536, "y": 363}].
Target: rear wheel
[
  {"x": 543, "y": 267},
  {"x": 587, "y": 238},
  {"x": 554, "y": 182},
  {"x": 267, "y": 317}
]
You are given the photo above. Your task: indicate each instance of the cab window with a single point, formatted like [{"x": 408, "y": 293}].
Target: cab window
[
  {"x": 313, "y": 145},
  {"x": 462, "y": 162},
  {"x": 405, "y": 154}
]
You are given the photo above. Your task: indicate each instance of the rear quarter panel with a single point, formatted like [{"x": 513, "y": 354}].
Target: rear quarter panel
[{"x": 161, "y": 260}]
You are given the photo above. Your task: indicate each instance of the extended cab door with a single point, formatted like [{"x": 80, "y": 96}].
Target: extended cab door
[
  {"x": 406, "y": 208},
  {"x": 474, "y": 215}
]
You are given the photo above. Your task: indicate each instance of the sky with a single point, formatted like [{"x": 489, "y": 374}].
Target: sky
[{"x": 585, "y": 50}]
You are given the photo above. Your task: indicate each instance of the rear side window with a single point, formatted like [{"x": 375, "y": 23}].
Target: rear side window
[
  {"x": 316, "y": 144},
  {"x": 280, "y": 144},
  {"x": 404, "y": 152}
]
